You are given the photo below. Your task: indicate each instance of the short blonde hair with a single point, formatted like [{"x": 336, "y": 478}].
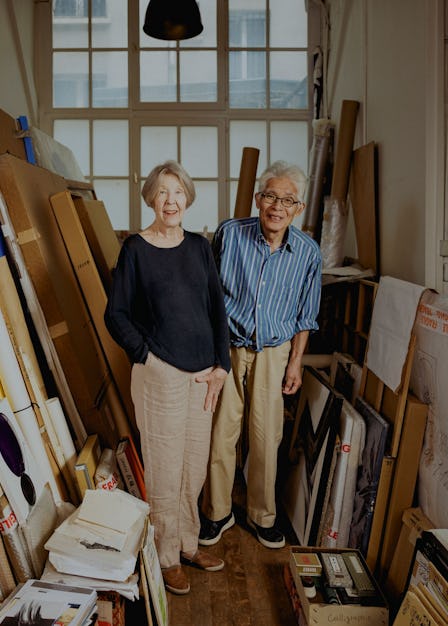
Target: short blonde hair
[
  {"x": 280, "y": 169},
  {"x": 152, "y": 182}
]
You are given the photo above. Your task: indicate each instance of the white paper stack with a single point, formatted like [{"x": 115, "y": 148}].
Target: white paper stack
[
  {"x": 37, "y": 602},
  {"x": 101, "y": 538}
]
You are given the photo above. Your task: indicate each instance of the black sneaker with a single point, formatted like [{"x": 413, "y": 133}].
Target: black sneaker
[
  {"x": 211, "y": 532},
  {"x": 269, "y": 537}
]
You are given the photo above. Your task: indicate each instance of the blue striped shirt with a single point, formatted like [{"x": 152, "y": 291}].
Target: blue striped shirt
[{"x": 269, "y": 297}]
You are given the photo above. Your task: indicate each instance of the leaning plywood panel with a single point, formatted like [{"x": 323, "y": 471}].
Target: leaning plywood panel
[
  {"x": 26, "y": 190},
  {"x": 93, "y": 291}
]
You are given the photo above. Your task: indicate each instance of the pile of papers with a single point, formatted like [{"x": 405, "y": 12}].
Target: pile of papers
[
  {"x": 38, "y": 602},
  {"x": 101, "y": 538}
]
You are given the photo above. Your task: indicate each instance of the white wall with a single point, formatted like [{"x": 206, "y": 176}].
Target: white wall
[
  {"x": 377, "y": 56},
  {"x": 17, "y": 94}
]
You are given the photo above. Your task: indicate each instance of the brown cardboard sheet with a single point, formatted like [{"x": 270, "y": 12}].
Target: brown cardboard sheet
[
  {"x": 95, "y": 296},
  {"x": 9, "y": 140},
  {"x": 101, "y": 237}
]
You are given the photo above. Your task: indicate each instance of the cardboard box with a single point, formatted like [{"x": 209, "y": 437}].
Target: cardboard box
[
  {"x": 318, "y": 612},
  {"x": 414, "y": 522}
]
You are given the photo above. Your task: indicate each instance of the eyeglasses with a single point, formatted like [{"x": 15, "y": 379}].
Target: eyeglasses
[{"x": 271, "y": 198}]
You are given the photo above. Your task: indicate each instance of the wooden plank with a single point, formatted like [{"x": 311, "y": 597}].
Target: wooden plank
[{"x": 363, "y": 201}]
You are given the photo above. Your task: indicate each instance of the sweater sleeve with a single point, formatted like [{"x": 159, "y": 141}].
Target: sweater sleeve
[
  {"x": 218, "y": 316},
  {"x": 118, "y": 315}
]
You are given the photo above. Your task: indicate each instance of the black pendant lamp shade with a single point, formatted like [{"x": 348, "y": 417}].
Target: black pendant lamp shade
[{"x": 172, "y": 19}]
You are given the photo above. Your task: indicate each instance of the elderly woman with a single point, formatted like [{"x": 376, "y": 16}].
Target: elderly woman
[{"x": 166, "y": 310}]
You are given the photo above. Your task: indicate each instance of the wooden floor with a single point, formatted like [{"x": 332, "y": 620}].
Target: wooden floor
[{"x": 249, "y": 590}]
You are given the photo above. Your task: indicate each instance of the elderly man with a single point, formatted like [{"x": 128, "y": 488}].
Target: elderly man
[{"x": 271, "y": 276}]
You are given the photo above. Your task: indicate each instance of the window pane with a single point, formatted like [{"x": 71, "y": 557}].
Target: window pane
[
  {"x": 247, "y": 26},
  {"x": 115, "y": 195},
  {"x": 289, "y": 142},
  {"x": 70, "y": 24},
  {"x": 199, "y": 151},
  {"x": 70, "y": 79},
  {"x": 203, "y": 213},
  {"x": 111, "y": 29},
  {"x": 288, "y": 88},
  {"x": 158, "y": 76},
  {"x": 75, "y": 135},
  {"x": 110, "y": 148},
  {"x": 206, "y": 39},
  {"x": 288, "y": 26},
  {"x": 110, "y": 79},
  {"x": 247, "y": 86},
  {"x": 247, "y": 134},
  {"x": 198, "y": 76},
  {"x": 158, "y": 143}
]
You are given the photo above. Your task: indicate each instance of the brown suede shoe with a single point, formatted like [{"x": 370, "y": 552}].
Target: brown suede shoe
[
  {"x": 176, "y": 580},
  {"x": 203, "y": 560}
]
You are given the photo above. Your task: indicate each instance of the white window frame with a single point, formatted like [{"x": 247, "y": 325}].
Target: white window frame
[{"x": 210, "y": 114}]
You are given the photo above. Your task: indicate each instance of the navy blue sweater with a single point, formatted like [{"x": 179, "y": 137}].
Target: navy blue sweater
[{"x": 169, "y": 301}]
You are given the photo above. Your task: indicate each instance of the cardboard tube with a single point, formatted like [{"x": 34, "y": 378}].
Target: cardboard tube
[
  {"x": 246, "y": 182},
  {"x": 341, "y": 170}
]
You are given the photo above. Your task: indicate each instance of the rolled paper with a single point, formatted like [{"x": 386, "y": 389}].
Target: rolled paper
[
  {"x": 15, "y": 546},
  {"x": 66, "y": 444},
  {"x": 312, "y": 219},
  {"x": 7, "y": 581},
  {"x": 246, "y": 182},
  {"x": 334, "y": 226}
]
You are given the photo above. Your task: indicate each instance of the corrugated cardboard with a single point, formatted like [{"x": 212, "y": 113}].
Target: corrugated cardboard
[
  {"x": 26, "y": 190},
  {"x": 101, "y": 237},
  {"x": 414, "y": 522},
  {"x": 319, "y": 613}
]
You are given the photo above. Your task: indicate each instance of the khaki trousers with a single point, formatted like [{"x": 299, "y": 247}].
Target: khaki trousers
[
  {"x": 175, "y": 444},
  {"x": 255, "y": 378}
]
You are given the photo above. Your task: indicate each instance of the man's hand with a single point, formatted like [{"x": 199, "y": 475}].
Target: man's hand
[
  {"x": 293, "y": 378},
  {"x": 215, "y": 380}
]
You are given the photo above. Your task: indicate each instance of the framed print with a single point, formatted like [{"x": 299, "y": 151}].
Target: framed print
[
  {"x": 377, "y": 430},
  {"x": 311, "y": 454}
]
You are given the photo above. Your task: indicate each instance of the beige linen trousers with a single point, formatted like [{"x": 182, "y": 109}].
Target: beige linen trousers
[{"x": 175, "y": 444}]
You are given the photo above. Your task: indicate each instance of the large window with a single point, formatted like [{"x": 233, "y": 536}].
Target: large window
[{"x": 123, "y": 101}]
